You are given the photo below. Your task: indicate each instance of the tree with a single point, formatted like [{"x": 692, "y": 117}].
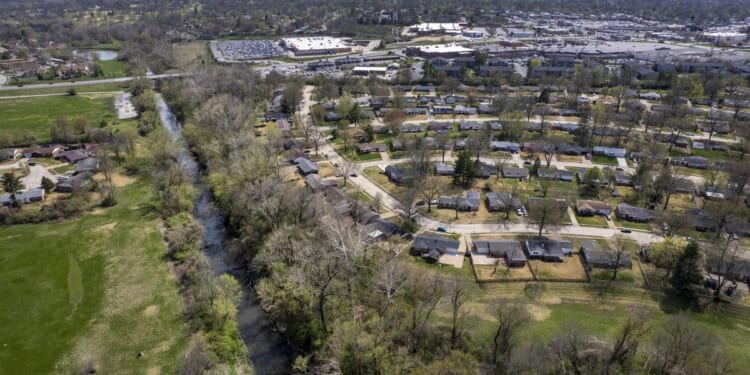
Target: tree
[
  {"x": 627, "y": 340},
  {"x": 667, "y": 182},
  {"x": 391, "y": 276},
  {"x": 721, "y": 257},
  {"x": 682, "y": 346},
  {"x": 422, "y": 295},
  {"x": 592, "y": 181},
  {"x": 619, "y": 253},
  {"x": 47, "y": 184},
  {"x": 431, "y": 189},
  {"x": 508, "y": 198},
  {"x": 464, "y": 174},
  {"x": 394, "y": 119},
  {"x": 547, "y": 212},
  {"x": 664, "y": 255},
  {"x": 511, "y": 317},
  {"x": 476, "y": 143},
  {"x": 292, "y": 97},
  {"x": 458, "y": 295},
  {"x": 12, "y": 184},
  {"x": 687, "y": 275}
]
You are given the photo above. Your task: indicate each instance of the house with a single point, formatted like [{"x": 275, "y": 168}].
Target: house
[
  {"x": 305, "y": 166},
  {"x": 442, "y": 110},
  {"x": 73, "y": 156},
  {"x": 465, "y": 126},
  {"x": 33, "y": 195},
  {"x": 610, "y": 151},
  {"x": 548, "y": 250},
  {"x": 515, "y": 172},
  {"x": 75, "y": 182},
  {"x": 433, "y": 245},
  {"x": 412, "y": 128},
  {"x": 579, "y": 174},
  {"x": 625, "y": 211},
  {"x": 316, "y": 184},
  {"x": 332, "y": 116},
  {"x": 415, "y": 111},
  {"x": 568, "y": 127},
  {"x": 623, "y": 179},
  {"x": 595, "y": 256},
  {"x": 379, "y": 228},
  {"x": 366, "y": 148},
  {"x": 512, "y": 251},
  {"x": 460, "y": 144},
  {"x": 555, "y": 174},
  {"x": 43, "y": 152},
  {"x": 498, "y": 200},
  {"x": 86, "y": 165},
  {"x": 443, "y": 169},
  {"x": 10, "y": 153},
  {"x": 511, "y": 147},
  {"x": 569, "y": 149},
  {"x": 463, "y": 110},
  {"x": 468, "y": 203},
  {"x": 439, "y": 127},
  {"x": 285, "y": 126},
  {"x": 591, "y": 208},
  {"x": 395, "y": 174},
  {"x": 424, "y": 88},
  {"x": 650, "y": 96},
  {"x": 698, "y": 162}
]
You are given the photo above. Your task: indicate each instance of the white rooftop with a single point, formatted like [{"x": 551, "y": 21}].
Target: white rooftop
[
  {"x": 446, "y": 48},
  {"x": 427, "y": 27},
  {"x": 314, "y": 43}
]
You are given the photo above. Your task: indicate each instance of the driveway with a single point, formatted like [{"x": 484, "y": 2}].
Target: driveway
[{"x": 34, "y": 178}]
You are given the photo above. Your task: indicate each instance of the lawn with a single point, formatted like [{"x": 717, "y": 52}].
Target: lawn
[
  {"x": 570, "y": 269},
  {"x": 592, "y": 221},
  {"x": 35, "y": 115},
  {"x": 601, "y": 159},
  {"x": 114, "y": 69},
  {"x": 488, "y": 273},
  {"x": 94, "y": 289}
]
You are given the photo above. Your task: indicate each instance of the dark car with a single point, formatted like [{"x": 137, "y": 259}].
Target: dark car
[{"x": 626, "y": 230}]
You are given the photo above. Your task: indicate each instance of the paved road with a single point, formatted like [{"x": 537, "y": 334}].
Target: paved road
[
  {"x": 88, "y": 83},
  {"x": 36, "y": 172}
]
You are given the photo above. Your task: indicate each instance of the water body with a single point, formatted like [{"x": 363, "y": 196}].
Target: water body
[
  {"x": 266, "y": 349},
  {"x": 102, "y": 54}
]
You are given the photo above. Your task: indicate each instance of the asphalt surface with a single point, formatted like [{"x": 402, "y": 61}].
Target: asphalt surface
[{"x": 86, "y": 83}]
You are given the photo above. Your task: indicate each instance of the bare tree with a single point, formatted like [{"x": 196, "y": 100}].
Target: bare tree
[
  {"x": 678, "y": 344},
  {"x": 508, "y": 198},
  {"x": 619, "y": 254},
  {"x": 511, "y": 317},
  {"x": 316, "y": 138},
  {"x": 458, "y": 295},
  {"x": 442, "y": 141},
  {"x": 391, "y": 276},
  {"x": 721, "y": 260},
  {"x": 628, "y": 338},
  {"x": 547, "y": 212},
  {"x": 347, "y": 168},
  {"x": 432, "y": 187},
  {"x": 422, "y": 295}
]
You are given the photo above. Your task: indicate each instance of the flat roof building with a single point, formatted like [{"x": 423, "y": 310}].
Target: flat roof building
[{"x": 316, "y": 45}]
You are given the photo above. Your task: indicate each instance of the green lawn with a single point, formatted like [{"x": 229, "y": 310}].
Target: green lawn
[
  {"x": 113, "y": 69},
  {"x": 600, "y": 159},
  {"x": 593, "y": 221},
  {"x": 37, "y": 114},
  {"x": 93, "y": 289}
]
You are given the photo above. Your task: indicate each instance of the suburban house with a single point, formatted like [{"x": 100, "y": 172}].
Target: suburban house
[
  {"x": 468, "y": 203},
  {"x": 569, "y": 149},
  {"x": 698, "y": 162},
  {"x": 10, "y": 153},
  {"x": 30, "y": 196},
  {"x": 72, "y": 183},
  {"x": 332, "y": 116},
  {"x": 623, "y": 179},
  {"x": 631, "y": 213},
  {"x": 485, "y": 170},
  {"x": 591, "y": 208},
  {"x": 305, "y": 166},
  {"x": 460, "y": 144},
  {"x": 510, "y": 250},
  {"x": 433, "y": 246},
  {"x": 497, "y": 201},
  {"x": 415, "y": 111},
  {"x": 86, "y": 165},
  {"x": 316, "y": 183},
  {"x": 515, "y": 172},
  {"x": 442, "y": 110},
  {"x": 439, "y": 127},
  {"x": 610, "y": 151},
  {"x": 73, "y": 156},
  {"x": 366, "y": 148},
  {"x": 548, "y": 250},
  {"x": 396, "y": 174},
  {"x": 471, "y": 125},
  {"x": 443, "y": 169},
  {"x": 412, "y": 128},
  {"x": 511, "y": 147},
  {"x": 463, "y": 110},
  {"x": 597, "y": 257},
  {"x": 43, "y": 152},
  {"x": 555, "y": 174}
]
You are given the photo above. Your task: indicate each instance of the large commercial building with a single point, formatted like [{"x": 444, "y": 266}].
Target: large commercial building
[
  {"x": 316, "y": 45},
  {"x": 436, "y": 28},
  {"x": 448, "y": 51}
]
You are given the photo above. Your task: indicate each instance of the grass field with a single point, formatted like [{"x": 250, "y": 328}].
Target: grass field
[
  {"x": 90, "y": 290},
  {"x": 62, "y": 88},
  {"x": 37, "y": 114},
  {"x": 113, "y": 69}
]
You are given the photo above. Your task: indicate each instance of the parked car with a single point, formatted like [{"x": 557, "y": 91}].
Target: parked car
[
  {"x": 626, "y": 230},
  {"x": 442, "y": 229}
]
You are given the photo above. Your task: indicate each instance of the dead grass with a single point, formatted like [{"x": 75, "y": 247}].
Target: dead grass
[
  {"x": 485, "y": 273},
  {"x": 570, "y": 269}
]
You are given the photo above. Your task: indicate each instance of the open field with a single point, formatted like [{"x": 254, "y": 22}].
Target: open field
[
  {"x": 90, "y": 290},
  {"x": 35, "y": 115},
  {"x": 570, "y": 269},
  {"x": 62, "y": 88}
]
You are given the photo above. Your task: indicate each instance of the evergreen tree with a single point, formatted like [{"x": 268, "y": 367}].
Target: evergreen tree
[
  {"x": 687, "y": 273},
  {"x": 464, "y": 175},
  {"x": 48, "y": 185}
]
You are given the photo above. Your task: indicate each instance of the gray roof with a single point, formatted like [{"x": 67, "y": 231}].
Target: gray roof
[
  {"x": 515, "y": 172},
  {"x": 598, "y": 257},
  {"x": 306, "y": 166},
  {"x": 434, "y": 242},
  {"x": 497, "y": 248},
  {"x": 628, "y": 212},
  {"x": 87, "y": 165},
  {"x": 610, "y": 151},
  {"x": 442, "y": 168},
  {"x": 546, "y": 248}
]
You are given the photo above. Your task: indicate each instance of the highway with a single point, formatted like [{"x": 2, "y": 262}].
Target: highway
[{"x": 87, "y": 83}]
